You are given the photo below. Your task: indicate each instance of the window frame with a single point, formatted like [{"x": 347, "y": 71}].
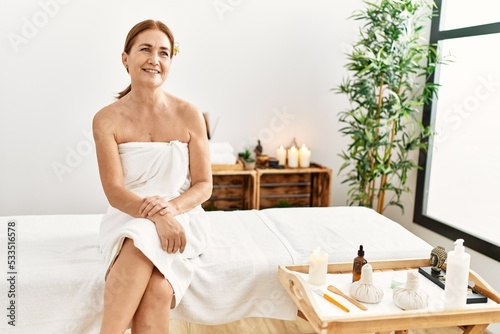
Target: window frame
[{"x": 482, "y": 246}]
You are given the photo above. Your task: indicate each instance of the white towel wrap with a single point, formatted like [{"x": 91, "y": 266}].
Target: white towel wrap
[{"x": 156, "y": 168}]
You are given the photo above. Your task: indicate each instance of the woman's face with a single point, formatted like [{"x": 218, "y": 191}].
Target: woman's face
[{"x": 148, "y": 61}]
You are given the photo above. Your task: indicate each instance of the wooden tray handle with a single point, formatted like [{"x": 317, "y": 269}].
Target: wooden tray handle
[
  {"x": 301, "y": 296},
  {"x": 483, "y": 287}
]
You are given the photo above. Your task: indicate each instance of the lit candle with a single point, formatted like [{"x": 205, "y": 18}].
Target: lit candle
[
  {"x": 318, "y": 266},
  {"x": 304, "y": 156},
  {"x": 293, "y": 157},
  {"x": 281, "y": 156}
]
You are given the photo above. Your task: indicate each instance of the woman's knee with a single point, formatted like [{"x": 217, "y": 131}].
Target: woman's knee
[
  {"x": 129, "y": 265},
  {"x": 159, "y": 290}
]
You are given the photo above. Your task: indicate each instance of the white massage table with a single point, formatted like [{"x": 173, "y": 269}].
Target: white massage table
[{"x": 60, "y": 275}]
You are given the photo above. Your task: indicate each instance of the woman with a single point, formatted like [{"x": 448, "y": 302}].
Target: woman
[{"x": 154, "y": 164}]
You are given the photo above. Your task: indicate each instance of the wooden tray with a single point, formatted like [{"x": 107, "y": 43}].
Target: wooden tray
[
  {"x": 473, "y": 319},
  {"x": 237, "y": 166}
]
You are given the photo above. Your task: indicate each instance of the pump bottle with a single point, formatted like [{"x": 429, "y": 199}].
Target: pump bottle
[
  {"x": 359, "y": 261},
  {"x": 457, "y": 276}
]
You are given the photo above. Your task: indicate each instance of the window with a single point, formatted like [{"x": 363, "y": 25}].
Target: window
[{"x": 458, "y": 189}]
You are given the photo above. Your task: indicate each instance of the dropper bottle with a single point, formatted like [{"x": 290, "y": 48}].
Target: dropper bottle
[{"x": 358, "y": 263}]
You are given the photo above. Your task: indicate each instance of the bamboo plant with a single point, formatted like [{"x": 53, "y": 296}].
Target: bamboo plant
[{"x": 388, "y": 85}]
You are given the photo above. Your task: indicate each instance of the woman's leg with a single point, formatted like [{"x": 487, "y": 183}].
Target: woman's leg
[
  {"x": 153, "y": 313},
  {"x": 124, "y": 288}
]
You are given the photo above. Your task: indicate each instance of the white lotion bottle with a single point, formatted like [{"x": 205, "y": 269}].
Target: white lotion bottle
[{"x": 457, "y": 276}]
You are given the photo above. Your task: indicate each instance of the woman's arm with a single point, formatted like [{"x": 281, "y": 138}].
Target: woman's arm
[
  {"x": 199, "y": 164},
  {"x": 110, "y": 168}
]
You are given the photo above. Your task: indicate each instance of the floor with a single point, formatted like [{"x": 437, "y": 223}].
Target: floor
[{"x": 270, "y": 326}]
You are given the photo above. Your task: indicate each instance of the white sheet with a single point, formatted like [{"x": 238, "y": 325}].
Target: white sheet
[
  {"x": 237, "y": 275},
  {"x": 340, "y": 231},
  {"x": 61, "y": 272}
]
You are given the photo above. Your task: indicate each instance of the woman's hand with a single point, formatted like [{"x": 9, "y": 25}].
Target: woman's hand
[
  {"x": 152, "y": 205},
  {"x": 171, "y": 233}
]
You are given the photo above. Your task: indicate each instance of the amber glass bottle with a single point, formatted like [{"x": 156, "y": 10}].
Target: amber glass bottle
[{"x": 359, "y": 261}]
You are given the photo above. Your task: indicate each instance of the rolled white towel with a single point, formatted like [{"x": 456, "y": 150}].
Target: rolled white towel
[
  {"x": 220, "y": 147},
  {"x": 222, "y": 159}
]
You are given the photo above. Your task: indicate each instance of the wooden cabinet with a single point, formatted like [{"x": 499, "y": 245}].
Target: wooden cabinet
[
  {"x": 267, "y": 188},
  {"x": 291, "y": 187},
  {"x": 232, "y": 190}
]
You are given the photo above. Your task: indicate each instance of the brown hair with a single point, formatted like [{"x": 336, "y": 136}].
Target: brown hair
[{"x": 136, "y": 30}]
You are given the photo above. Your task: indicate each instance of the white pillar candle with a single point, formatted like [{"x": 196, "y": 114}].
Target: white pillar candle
[
  {"x": 293, "y": 157},
  {"x": 281, "y": 156},
  {"x": 304, "y": 156},
  {"x": 318, "y": 266}
]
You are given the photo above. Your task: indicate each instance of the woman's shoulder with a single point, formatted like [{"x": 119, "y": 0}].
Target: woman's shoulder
[
  {"x": 107, "y": 115},
  {"x": 111, "y": 110},
  {"x": 182, "y": 105}
]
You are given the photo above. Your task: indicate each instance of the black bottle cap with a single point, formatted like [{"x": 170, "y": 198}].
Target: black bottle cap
[{"x": 361, "y": 252}]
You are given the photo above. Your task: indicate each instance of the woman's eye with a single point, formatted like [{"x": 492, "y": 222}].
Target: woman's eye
[
  {"x": 165, "y": 54},
  {"x": 145, "y": 49}
]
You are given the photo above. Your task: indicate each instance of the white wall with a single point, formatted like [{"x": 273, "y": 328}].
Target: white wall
[{"x": 261, "y": 68}]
